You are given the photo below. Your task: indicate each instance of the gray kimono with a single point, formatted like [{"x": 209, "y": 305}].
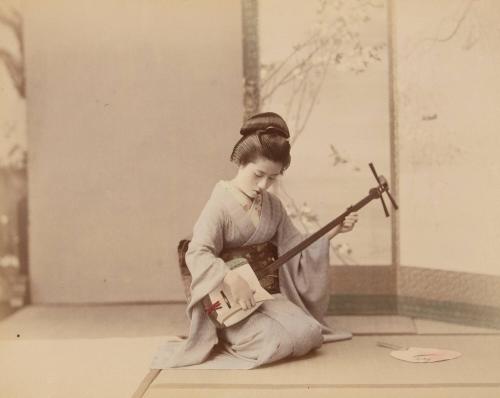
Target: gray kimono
[{"x": 290, "y": 325}]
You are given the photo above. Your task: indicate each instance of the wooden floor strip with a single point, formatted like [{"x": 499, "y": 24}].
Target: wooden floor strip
[{"x": 146, "y": 382}]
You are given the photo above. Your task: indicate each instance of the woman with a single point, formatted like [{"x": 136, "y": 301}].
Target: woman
[{"x": 239, "y": 213}]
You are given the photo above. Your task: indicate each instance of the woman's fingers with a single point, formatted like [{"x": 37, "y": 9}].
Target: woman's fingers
[
  {"x": 243, "y": 304},
  {"x": 349, "y": 222},
  {"x": 352, "y": 218},
  {"x": 246, "y": 305},
  {"x": 240, "y": 290},
  {"x": 247, "y": 302}
]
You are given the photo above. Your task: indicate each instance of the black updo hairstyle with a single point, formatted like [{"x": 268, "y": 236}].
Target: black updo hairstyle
[{"x": 264, "y": 135}]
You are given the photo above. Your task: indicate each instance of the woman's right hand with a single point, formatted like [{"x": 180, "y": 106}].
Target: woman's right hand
[{"x": 240, "y": 290}]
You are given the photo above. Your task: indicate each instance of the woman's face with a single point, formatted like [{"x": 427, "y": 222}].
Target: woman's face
[{"x": 257, "y": 176}]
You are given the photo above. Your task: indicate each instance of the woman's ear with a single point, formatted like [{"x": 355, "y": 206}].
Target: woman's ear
[
  {"x": 239, "y": 169},
  {"x": 242, "y": 166}
]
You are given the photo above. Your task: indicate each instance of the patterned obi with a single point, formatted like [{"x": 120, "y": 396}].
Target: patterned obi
[{"x": 258, "y": 256}]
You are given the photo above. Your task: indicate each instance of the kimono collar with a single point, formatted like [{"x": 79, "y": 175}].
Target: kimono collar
[
  {"x": 254, "y": 233},
  {"x": 242, "y": 199}
]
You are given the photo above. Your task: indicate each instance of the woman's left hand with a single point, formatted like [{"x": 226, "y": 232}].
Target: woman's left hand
[{"x": 346, "y": 226}]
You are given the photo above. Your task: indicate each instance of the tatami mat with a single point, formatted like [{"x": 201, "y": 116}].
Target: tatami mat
[
  {"x": 95, "y": 321},
  {"x": 105, "y": 351},
  {"x": 111, "y": 368},
  {"x": 74, "y": 368},
  {"x": 360, "y": 362},
  {"x": 370, "y": 392}
]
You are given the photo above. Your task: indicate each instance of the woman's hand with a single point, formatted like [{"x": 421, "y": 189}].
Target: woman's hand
[
  {"x": 346, "y": 226},
  {"x": 240, "y": 289}
]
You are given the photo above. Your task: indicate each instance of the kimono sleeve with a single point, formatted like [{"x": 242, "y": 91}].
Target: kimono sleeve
[
  {"x": 304, "y": 279},
  {"x": 206, "y": 268},
  {"x": 207, "y": 272}
]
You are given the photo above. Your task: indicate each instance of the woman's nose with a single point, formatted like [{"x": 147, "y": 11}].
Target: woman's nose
[{"x": 262, "y": 184}]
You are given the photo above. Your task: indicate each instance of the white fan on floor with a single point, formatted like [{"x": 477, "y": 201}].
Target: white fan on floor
[{"x": 419, "y": 354}]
